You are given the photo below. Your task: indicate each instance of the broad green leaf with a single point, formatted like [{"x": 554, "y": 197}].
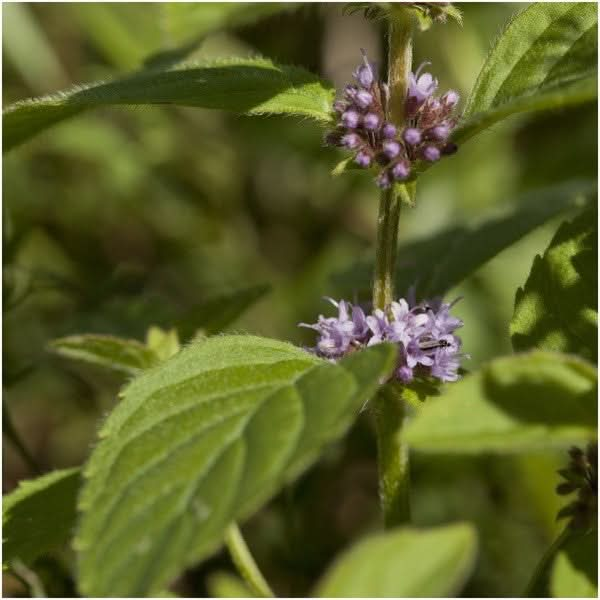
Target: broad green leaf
[
  {"x": 546, "y": 58},
  {"x": 218, "y": 311},
  {"x": 575, "y": 570},
  {"x": 39, "y": 515},
  {"x": 404, "y": 563},
  {"x": 252, "y": 86},
  {"x": 202, "y": 440},
  {"x": 440, "y": 262},
  {"x": 124, "y": 356},
  {"x": 557, "y": 308},
  {"x": 515, "y": 403}
]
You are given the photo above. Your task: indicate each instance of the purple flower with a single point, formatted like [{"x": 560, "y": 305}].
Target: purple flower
[
  {"x": 364, "y": 73},
  {"x": 371, "y": 121},
  {"x": 362, "y": 159},
  {"x": 363, "y": 98},
  {"x": 351, "y": 119},
  {"x": 351, "y": 141},
  {"x": 389, "y": 131},
  {"x": 420, "y": 87},
  {"x": 450, "y": 98},
  {"x": 439, "y": 132},
  {"x": 412, "y": 136},
  {"x": 391, "y": 149},
  {"x": 445, "y": 365},
  {"x": 431, "y": 153},
  {"x": 400, "y": 171},
  {"x": 383, "y": 180}
]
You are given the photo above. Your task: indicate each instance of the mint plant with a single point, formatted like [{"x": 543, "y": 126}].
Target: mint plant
[{"x": 211, "y": 426}]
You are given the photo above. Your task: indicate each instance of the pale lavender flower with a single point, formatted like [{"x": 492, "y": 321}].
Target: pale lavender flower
[
  {"x": 351, "y": 119},
  {"x": 370, "y": 121},
  {"x": 362, "y": 159},
  {"x": 412, "y": 136},
  {"x": 389, "y": 131},
  {"x": 431, "y": 153},
  {"x": 391, "y": 149},
  {"x": 421, "y": 87}
]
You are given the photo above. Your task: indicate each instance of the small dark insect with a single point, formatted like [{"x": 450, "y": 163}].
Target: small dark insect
[{"x": 433, "y": 344}]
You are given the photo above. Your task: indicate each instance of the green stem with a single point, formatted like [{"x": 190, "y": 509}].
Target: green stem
[
  {"x": 389, "y": 408},
  {"x": 385, "y": 251},
  {"x": 538, "y": 584},
  {"x": 394, "y": 476},
  {"x": 11, "y": 433},
  {"x": 245, "y": 564}
]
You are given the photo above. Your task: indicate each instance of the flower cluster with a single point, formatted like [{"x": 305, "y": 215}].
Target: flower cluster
[
  {"x": 424, "y": 333},
  {"x": 581, "y": 476},
  {"x": 364, "y": 129}
]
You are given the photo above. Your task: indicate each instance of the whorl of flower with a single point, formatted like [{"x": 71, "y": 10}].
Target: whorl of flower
[
  {"x": 363, "y": 128},
  {"x": 581, "y": 476},
  {"x": 424, "y": 333}
]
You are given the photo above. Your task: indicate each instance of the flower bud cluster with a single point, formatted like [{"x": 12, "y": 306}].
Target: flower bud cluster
[
  {"x": 424, "y": 333},
  {"x": 581, "y": 476},
  {"x": 363, "y": 127}
]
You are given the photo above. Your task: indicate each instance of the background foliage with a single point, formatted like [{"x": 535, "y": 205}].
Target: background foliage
[{"x": 119, "y": 219}]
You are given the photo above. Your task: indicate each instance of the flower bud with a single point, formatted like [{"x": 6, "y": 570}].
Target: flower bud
[
  {"x": 439, "y": 133},
  {"x": 412, "y": 136},
  {"x": 363, "y": 98},
  {"x": 339, "y": 106},
  {"x": 450, "y": 98},
  {"x": 362, "y": 159},
  {"x": 400, "y": 171},
  {"x": 383, "y": 180},
  {"x": 449, "y": 148},
  {"x": 391, "y": 148},
  {"x": 431, "y": 153},
  {"x": 351, "y": 119},
  {"x": 389, "y": 131},
  {"x": 351, "y": 141},
  {"x": 364, "y": 75},
  {"x": 371, "y": 121}
]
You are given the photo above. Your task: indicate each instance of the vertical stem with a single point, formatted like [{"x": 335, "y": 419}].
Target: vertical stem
[
  {"x": 245, "y": 564},
  {"x": 394, "y": 482},
  {"x": 386, "y": 248},
  {"x": 394, "y": 476}
]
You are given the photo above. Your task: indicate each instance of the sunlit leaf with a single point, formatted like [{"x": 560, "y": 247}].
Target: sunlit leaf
[
  {"x": 39, "y": 515},
  {"x": 404, "y": 563},
  {"x": 546, "y": 58},
  {"x": 515, "y": 403},
  {"x": 557, "y": 308},
  {"x": 251, "y": 86},
  {"x": 203, "y": 440}
]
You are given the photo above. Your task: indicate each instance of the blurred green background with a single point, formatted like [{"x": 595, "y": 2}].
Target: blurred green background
[{"x": 124, "y": 218}]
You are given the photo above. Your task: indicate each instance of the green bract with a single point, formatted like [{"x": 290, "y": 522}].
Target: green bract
[{"x": 203, "y": 440}]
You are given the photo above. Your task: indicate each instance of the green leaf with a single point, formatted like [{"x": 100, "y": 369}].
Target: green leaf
[
  {"x": 164, "y": 343},
  {"x": 202, "y": 440},
  {"x": 575, "y": 570},
  {"x": 252, "y": 86},
  {"x": 546, "y": 58},
  {"x": 515, "y": 403},
  {"x": 440, "y": 262},
  {"x": 404, "y": 563},
  {"x": 39, "y": 515},
  {"x": 120, "y": 355},
  {"x": 215, "y": 313},
  {"x": 557, "y": 308}
]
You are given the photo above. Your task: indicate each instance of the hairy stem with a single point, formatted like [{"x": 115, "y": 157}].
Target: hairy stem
[
  {"x": 394, "y": 476},
  {"x": 390, "y": 410},
  {"x": 245, "y": 564}
]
